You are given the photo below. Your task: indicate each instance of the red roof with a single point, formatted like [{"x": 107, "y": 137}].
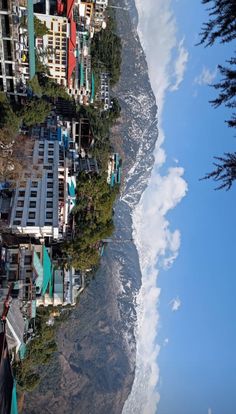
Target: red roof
[
  {"x": 60, "y": 7},
  {"x": 69, "y": 8},
  {"x": 71, "y": 49}
]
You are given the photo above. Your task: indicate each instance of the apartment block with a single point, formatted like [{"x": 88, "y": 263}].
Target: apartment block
[
  {"x": 39, "y": 207},
  {"x": 17, "y": 56},
  {"x": 52, "y": 48}
]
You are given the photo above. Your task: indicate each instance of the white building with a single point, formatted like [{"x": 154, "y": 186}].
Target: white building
[
  {"x": 53, "y": 46},
  {"x": 102, "y": 3},
  {"x": 105, "y": 91},
  {"x": 39, "y": 207}
]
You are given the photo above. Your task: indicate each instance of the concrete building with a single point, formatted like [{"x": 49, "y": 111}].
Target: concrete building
[
  {"x": 53, "y": 47},
  {"x": 17, "y": 56},
  {"x": 114, "y": 170},
  {"x": 105, "y": 98},
  {"x": 40, "y": 207}
]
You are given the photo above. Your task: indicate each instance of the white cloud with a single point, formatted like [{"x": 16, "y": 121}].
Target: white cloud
[
  {"x": 206, "y": 76},
  {"x": 158, "y": 33},
  {"x": 175, "y": 304},
  {"x": 157, "y": 243},
  {"x": 180, "y": 65}
]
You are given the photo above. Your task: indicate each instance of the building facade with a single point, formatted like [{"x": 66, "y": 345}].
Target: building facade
[
  {"x": 35, "y": 210},
  {"x": 52, "y": 47}
]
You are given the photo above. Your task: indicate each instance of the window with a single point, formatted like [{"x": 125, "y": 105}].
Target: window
[
  {"x": 49, "y": 204},
  {"x": 28, "y": 260},
  {"x": 31, "y": 215},
  {"x": 50, "y": 185},
  {"x": 50, "y": 175},
  {"x": 50, "y": 160},
  {"x": 49, "y": 194},
  {"x": 20, "y": 203},
  {"x": 14, "y": 258},
  {"x": 50, "y": 152},
  {"x": 16, "y": 222},
  {"x": 19, "y": 213},
  {"x": 48, "y": 223},
  {"x": 32, "y": 204},
  {"x": 49, "y": 215},
  {"x": 21, "y": 193},
  {"x": 30, "y": 223},
  {"x": 33, "y": 194},
  {"x": 34, "y": 184},
  {"x": 41, "y": 145},
  {"x": 50, "y": 145},
  {"x": 41, "y": 153},
  {"x": 12, "y": 275}
]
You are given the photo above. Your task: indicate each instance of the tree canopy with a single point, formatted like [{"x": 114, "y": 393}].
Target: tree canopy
[
  {"x": 106, "y": 51},
  {"x": 224, "y": 172},
  {"x": 222, "y": 27},
  {"x": 40, "y": 29},
  {"x": 227, "y": 88},
  {"x": 35, "y": 111},
  {"x": 222, "y": 22}
]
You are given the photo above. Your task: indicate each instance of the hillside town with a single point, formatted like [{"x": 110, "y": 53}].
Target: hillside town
[{"x": 59, "y": 175}]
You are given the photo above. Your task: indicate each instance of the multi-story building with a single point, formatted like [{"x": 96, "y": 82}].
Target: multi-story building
[
  {"x": 67, "y": 285},
  {"x": 99, "y": 20},
  {"x": 53, "y": 47},
  {"x": 114, "y": 170},
  {"x": 17, "y": 55},
  {"x": 42, "y": 202},
  {"x": 105, "y": 91},
  {"x": 19, "y": 269}
]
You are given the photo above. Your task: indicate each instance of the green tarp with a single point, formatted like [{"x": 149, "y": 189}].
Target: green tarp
[
  {"x": 81, "y": 74},
  {"x": 30, "y": 22},
  {"x": 93, "y": 88},
  {"x": 47, "y": 271},
  {"x": 14, "y": 407},
  {"x": 22, "y": 351},
  {"x": 71, "y": 189}
]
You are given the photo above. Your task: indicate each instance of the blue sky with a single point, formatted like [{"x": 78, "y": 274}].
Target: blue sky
[{"x": 188, "y": 310}]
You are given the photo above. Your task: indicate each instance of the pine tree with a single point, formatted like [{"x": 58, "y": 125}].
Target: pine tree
[
  {"x": 227, "y": 87},
  {"x": 222, "y": 23},
  {"x": 225, "y": 171}
]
